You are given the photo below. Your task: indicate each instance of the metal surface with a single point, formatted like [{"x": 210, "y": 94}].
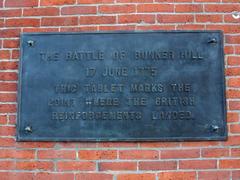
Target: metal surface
[{"x": 122, "y": 86}]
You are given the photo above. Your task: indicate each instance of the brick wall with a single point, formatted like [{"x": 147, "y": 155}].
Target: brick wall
[{"x": 120, "y": 160}]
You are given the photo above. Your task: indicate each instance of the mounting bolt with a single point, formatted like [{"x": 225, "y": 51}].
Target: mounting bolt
[
  {"x": 214, "y": 128},
  {"x": 212, "y": 41},
  {"x": 30, "y": 43},
  {"x": 236, "y": 15},
  {"x": 28, "y": 129}
]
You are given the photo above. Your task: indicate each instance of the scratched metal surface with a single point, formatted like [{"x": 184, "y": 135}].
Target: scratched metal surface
[{"x": 37, "y": 78}]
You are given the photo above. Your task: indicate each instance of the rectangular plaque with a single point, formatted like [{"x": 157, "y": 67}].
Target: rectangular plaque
[{"x": 122, "y": 86}]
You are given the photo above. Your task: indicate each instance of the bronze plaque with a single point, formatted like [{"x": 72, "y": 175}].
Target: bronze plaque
[{"x": 122, "y": 86}]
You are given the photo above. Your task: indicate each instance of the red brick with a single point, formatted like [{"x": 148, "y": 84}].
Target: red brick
[
  {"x": 10, "y": 12},
  {"x": 79, "y": 10},
  {"x": 48, "y": 11},
  {"x": 68, "y": 145},
  {"x": 209, "y": 18},
  {"x": 177, "y": 175},
  {"x": 93, "y": 176},
  {"x": 235, "y": 128},
  {"x": 233, "y": 60},
  {"x": 234, "y": 105},
  {"x": 117, "y": 28},
  {"x": 5, "y": 54},
  {"x": 60, "y": 21},
  {"x": 190, "y": 27},
  {"x": 8, "y": 33},
  {"x": 159, "y": 144},
  {"x": 157, "y": 165},
  {"x": 86, "y": 145},
  {"x": 15, "y": 54},
  {"x": 207, "y": 1},
  {"x": 34, "y": 165},
  {"x": 7, "y": 131},
  {"x": 215, "y": 152},
  {"x": 8, "y": 76},
  {"x": 7, "y": 165},
  {"x": 146, "y": 176},
  {"x": 197, "y": 164},
  {"x": 56, "y": 154},
  {"x": 182, "y": 1},
  {"x": 7, "y": 142},
  {"x": 6, "y": 65},
  {"x": 22, "y": 3},
  {"x": 117, "y": 144},
  {"x": 221, "y": 8},
  {"x": 233, "y": 93},
  {"x": 1, "y": 22},
  {"x": 12, "y": 120},
  {"x": 3, "y": 119},
  {"x": 18, "y": 154},
  {"x": 232, "y": 39},
  {"x": 235, "y": 71},
  {"x": 155, "y": 8},
  {"x": 236, "y": 175},
  {"x": 117, "y": 166},
  {"x": 200, "y": 144},
  {"x": 14, "y": 43},
  {"x": 8, "y": 108},
  {"x": 229, "y": 49},
  {"x": 22, "y": 22},
  {"x": 97, "y": 20},
  {"x": 53, "y": 176},
  {"x": 77, "y": 29},
  {"x": 134, "y": 1},
  {"x": 155, "y": 27},
  {"x": 226, "y": 28},
  {"x": 16, "y": 175},
  {"x": 229, "y": 164},
  {"x": 56, "y": 2},
  {"x": 136, "y": 18},
  {"x": 232, "y": 141},
  {"x": 95, "y": 1},
  {"x": 176, "y": 154},
  {"x": 183, "y": 8},
  {"x": 40, "y": 29},
  {"x": 232, "y": 117},
  {"x": 97, "y": 154},
  {"x": 235, "y": 152},
  {"x": 113, "y": 9},
  {"x": 175, "y": 18},
  {"x": 214, "y": 175},
  {"x": 35, "y": 145},
  {"x": 230, "y": 1},
  {"x": 78, "y": 166},
  {"x": 233, "y": 82},
  {"x": 237, "y": 49},
  {"x": 138, "y": 154}
]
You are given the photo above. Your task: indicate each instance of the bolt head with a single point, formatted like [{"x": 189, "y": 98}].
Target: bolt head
[
  {"x": 212, "y": 41},
  {"x": 215, "y": 128},
  {"x": 28, "y": 129},
  {"x": 30, "y": 43}
]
